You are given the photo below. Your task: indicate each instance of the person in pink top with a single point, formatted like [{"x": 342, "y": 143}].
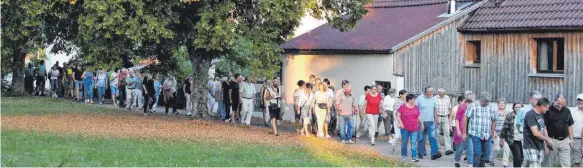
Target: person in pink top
[
  {"x": 460, "y": 143},
  {"x": 372, "y": 105},
  {"x": 409, "y": 120}
]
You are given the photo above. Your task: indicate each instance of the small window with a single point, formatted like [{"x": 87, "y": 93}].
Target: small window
[
  {"x": 550, "y": 55},
  {"x": 386, "y": 86},
  {"x": 473, "y": 52}
]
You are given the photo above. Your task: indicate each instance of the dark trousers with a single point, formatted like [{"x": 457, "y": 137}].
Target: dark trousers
[
  {"x": 227, "y": 110},
  {"x": 149, "y": 100},
  {"x": 171, "y": 102},
  {"x": 517, "y": 156},
  {"x": 122, "y": 96},
  {"x": 29, "y": 84}
]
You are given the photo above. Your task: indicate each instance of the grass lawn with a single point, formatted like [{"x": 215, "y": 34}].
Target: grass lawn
[{"x": 31, "y": 146}]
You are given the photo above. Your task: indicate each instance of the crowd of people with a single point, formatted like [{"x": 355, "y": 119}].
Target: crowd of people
[{"x": 541, "y": 133}]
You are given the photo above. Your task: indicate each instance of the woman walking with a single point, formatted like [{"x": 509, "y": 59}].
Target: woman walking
[
  {"x": 170, "y": 94},
  {"x": 513, "y": 138},
  {"x": 274, "y": 97},
  {"x": 460, "y": 143},
  {"x": 149, "y": 94},
  {"x": 54, "y": 75},
  {"x": 88, "y": 81},
  {"x": 409, "y": 120},
  {"x": 387, "y": 115},
  {"x": 158, "y": 91},
  {"x": 398, "y": 103},
  {"x": 496, "y": 140},
  {"x": 322, "y": 106},
  {"x": 297, "y": 111},
  {"x": 186, "y": 91},
  {"x": 101, "y": 83},
  {"x": 372, "y": 102},
  {"x": 113, "y": 86},
  {"x": 304, "y": 105}
]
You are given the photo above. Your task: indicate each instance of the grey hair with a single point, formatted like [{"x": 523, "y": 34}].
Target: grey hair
[
  {"x": 441, "y": 90},
  {"x": 503, "y": 100},
  {"x": 535, "y": 94},
  {"x": 467, "y": 92},
  {"x": 485, "y": 96},
  {"x": 559, "y": 96},
  {"x": 470, "y": 97},
  {"x": 392, "y": 91}
]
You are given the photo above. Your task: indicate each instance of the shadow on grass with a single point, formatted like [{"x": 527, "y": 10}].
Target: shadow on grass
[{"x": 43, "y": 105}]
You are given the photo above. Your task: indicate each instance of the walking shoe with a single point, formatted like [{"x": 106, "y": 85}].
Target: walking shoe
[
  {"x": 492, "y": 163},
  {"x": 393, "y": 148},
  {"x": 420, "y": 156},
  {"x": 403, "y": 158},
  {"x": 372, "y": 143},
  {"x": 448, "y": 152},
  {"x": 145, "y": 114},
  {"x": 350, "y": 142},
  {"x": 343, "y": 142},
  {"x": 188, "y": 113},
  {"x": 436, "y": 156},
  {"x": 415, "y": 160},
  {"x": 457, "y": 165}
]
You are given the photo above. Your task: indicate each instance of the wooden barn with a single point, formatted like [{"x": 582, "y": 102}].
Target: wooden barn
[{"x": 511, "y": 47}]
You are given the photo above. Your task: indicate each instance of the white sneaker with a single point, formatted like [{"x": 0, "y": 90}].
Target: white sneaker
[
  {"x": 350, "y": 142},
  {"x": 189, "y": 113},
  {"x": 343, "y": 142}
]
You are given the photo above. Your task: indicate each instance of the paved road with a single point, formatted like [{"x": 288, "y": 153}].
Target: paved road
[{"x": 383, "y": 148}]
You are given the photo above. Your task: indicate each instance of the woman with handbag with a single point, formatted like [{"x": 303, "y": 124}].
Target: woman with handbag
[
  {"x": 273, "y": 96},
  {"x": 304, "y": 106},
  {"x": 322, "y": 104}
]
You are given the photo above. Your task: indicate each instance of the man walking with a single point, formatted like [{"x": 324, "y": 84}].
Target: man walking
[
  {"x": 235, "y": 99},
  {"x": 559, "y": 124},
  {"x": 482, "y": 126},
  {"x": 346, "y": 108},
  {"x": 130, "y": 90},
  {"x": 577, "y": 148},
  {"x": 247, "y": 94},
  {"x": 534, "y": 139},
  {"x": 519, "y": 120},
  {"x": 427, "y": 106},
  {"x": 443, "y": 110}
]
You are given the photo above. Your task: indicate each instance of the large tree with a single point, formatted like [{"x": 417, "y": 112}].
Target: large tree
[{"x": 21, "y": 34}]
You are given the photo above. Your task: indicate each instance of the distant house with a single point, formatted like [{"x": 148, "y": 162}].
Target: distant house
[
  {"x": 394, "y": 42},
  {"x": 511, "y": 47}
]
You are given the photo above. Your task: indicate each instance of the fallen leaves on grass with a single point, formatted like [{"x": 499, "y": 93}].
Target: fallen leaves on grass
[{"x": 147, "y": 127}]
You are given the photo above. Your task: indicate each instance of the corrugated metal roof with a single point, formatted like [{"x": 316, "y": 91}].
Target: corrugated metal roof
[{"x": 497, "y": 15}]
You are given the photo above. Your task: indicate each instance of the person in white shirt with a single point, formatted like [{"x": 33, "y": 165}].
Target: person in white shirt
[
  {"x": 387, "y": 115},
  {"x": 359, "y": 118},
  {"x": 577, "y": 147},
  {"x": 330, "y": 113},
  {"x": 55, "y": 73},
  {"x": 247, "y": 97}
]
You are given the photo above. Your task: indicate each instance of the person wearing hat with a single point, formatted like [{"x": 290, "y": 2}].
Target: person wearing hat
[{"x": 577, "y": 148}]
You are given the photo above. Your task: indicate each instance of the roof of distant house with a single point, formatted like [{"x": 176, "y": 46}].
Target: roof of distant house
[
  {"x": 520, "y": 15},
  {"x": 387, "y": 24}
]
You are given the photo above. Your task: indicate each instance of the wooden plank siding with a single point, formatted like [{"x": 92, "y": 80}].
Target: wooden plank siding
[
  {"x": 433, "y": 59},
  {"x": 509, "y": 58}
]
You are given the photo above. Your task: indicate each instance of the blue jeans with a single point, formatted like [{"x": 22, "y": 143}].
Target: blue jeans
[
  {"x": 100, "y": 93},
  {"x": 407, "y": 136},
  {"x": 88, "y": 90},
  {"x": 221, "y": 109},
  {"x": 481, "y": 148},
  {"x": 429, "y": 130},
  {"x": 460, "y": 149},
  {"x": 346, "y": 127}
]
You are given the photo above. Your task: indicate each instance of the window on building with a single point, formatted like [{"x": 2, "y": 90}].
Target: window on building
[
  {"x": 386, "y": 86},
  {"x": 550, "y": 55},
  {"x": 473, "y": 52}
]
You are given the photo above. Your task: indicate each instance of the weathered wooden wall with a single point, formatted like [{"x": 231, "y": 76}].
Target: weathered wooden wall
[
  {"x": 507, "y": 60},
  {"x": 432, "y": 60},
  {"x": 508, "y": 66}
]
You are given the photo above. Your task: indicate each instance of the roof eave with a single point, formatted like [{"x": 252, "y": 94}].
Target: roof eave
[
  {"x": 335, "y": 51},
  {"x": 522, "y": 30},
  {"x": 449, "y": 20}
]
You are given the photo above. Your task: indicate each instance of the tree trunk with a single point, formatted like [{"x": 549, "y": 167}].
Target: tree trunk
[
  {"x": 201, "y": 61},
  {"x": 17, "y": 87}
]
